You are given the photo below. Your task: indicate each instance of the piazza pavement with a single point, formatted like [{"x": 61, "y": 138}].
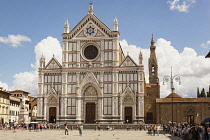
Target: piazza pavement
[{"x": 88, "y": 134}]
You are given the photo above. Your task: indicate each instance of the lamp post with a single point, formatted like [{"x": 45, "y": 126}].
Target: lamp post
[{"x": 171, "y": 79}]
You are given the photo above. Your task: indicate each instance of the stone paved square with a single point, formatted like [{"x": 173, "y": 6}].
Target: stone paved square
[{"x": 87, "y": 135}]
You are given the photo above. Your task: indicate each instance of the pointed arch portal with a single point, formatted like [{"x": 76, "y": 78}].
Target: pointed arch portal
[{"x": 52, "y": 115}]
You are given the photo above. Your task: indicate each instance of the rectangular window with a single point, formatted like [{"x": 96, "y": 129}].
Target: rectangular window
[
  {"x": 56, "y": 78},
  {"x": 82, "y": 75},
  {"x": 49, "y": 79},
  {"x": 110, "y": 45},
  {"x": 120, "y": 77},
  {"x": 72, "y": 57},
  {"x": 106, "y": 45},
  {"x": 108, "y": 77},
  {"x": 72, "y": 78},
  {"x": 107, "y": 106},
  {"x": 71, "y": 106},
  {"x": 107, "y": 88},
  {"x": 72, "y": 89},
  {"x": 45, "y": 78},
  {"x": 74, "y": 48},
  {"x": 107, "y": 56},
  {"x": 135, "y": 78}
]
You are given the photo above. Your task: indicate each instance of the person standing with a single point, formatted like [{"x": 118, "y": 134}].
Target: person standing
[
  {"x": 158, "y": 130},
  {"x": 66, "y": 129},
  {"x": 154, "y": 129},
  {"x": 80, "y": 129}
]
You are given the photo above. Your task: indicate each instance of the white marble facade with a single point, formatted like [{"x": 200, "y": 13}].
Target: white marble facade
[{"x": 95, "y": 82}]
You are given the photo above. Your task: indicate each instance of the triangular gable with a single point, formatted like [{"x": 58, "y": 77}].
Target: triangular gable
[
  {"x": 81, "y": 28},
  {"x": 52, "y": 91},
  {"x": 53, "y": 64},
  {"x": 89, "y": 78},
  {"x": 128, "y": 90},
  {"x": 90, "y": 30},
  {"x": 128, "y": 95},
  {"x": 128, "y": 62}
]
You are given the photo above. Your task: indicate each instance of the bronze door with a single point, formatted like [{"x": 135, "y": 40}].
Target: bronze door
[
  {"x": 128, "y": 115},
  {"x": 190, "y": 119},
  {"x": 52, "y": 115},
  {"x": 90, "y": 112}
]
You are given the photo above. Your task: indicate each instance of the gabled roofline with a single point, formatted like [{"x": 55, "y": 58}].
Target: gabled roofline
[
  {"x": 53, "y": 58},
  {"x": 73, "y": 32},
  {"x": 130, "y": 59}
]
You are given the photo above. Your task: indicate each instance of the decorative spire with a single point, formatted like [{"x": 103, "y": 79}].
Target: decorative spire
[
  {"x": 115, "y": 24},
  {"x": 42, "y": 61},
  {"x": 152, "y": 40},
  {"x": 42, "y": 57},
  {"x": 90, "y": 11},
  {"x": 140, "y": 57},
  {"x": 152, "y": 43},
  {"x": 66, "y": 26}
]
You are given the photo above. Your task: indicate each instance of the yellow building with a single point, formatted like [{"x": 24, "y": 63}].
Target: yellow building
[{"x": 4, "y": 106}]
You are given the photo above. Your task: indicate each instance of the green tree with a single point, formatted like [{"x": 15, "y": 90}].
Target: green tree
[
  {"x": 198, "y": 93},
  {"x": 203, "y": 93}
]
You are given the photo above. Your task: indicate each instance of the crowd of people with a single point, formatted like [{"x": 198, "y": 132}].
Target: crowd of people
[
  {"x": 187, "y": 132},
  {"x": 38, "y": 127}
]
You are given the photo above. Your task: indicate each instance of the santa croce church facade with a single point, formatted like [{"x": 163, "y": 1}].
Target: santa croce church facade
[{"x": 96, "y": 81}]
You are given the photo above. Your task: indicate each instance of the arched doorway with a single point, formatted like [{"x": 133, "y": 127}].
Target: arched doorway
[
  {"x": 90, "y": 94},
  {"x": 52, "y": 115},
  {"x": 90, "y": 113},
  {"x": 129, "y": 105},
  {"x": 190, "y": 115},
  {"x": 128, "y": 115}
]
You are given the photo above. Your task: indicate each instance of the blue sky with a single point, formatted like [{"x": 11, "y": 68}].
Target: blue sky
[{"x": 185, "y": 23}]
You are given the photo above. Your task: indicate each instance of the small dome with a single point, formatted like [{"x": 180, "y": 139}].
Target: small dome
[{"x": 174, "y": 95}]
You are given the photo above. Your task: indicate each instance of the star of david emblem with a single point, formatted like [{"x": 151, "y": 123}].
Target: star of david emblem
[{"x": 90, "y": 30}]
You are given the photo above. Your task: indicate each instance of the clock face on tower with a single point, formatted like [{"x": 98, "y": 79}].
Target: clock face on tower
[{"x": 91, "y": 52}]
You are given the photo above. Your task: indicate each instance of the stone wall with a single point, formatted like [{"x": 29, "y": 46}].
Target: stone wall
[{"x": 183, "y": 108}]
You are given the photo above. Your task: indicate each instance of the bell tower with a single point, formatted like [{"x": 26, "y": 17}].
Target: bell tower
[{"x": 153, "y": 65}]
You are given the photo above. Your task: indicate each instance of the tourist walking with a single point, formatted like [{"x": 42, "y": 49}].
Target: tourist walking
[
  {"x": 80, "y": 129},
  {"x": 149, "y": 129},
  {"x": 154, "y": 129},
  {"x": 158, "y": 130},
  {"x": 66, "y": 129}
]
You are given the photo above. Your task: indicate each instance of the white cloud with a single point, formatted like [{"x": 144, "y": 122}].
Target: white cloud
[
  {"x": 15, "y": 40},
  {"x": 47, "y": 47},
  {"x": 4, "y": 86},
  {"x": 28, "y": 81},
  {"x": 205, "y": 45},
  {"x": 181, "y": 5},
  {"x": 194, "y": 70}
]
